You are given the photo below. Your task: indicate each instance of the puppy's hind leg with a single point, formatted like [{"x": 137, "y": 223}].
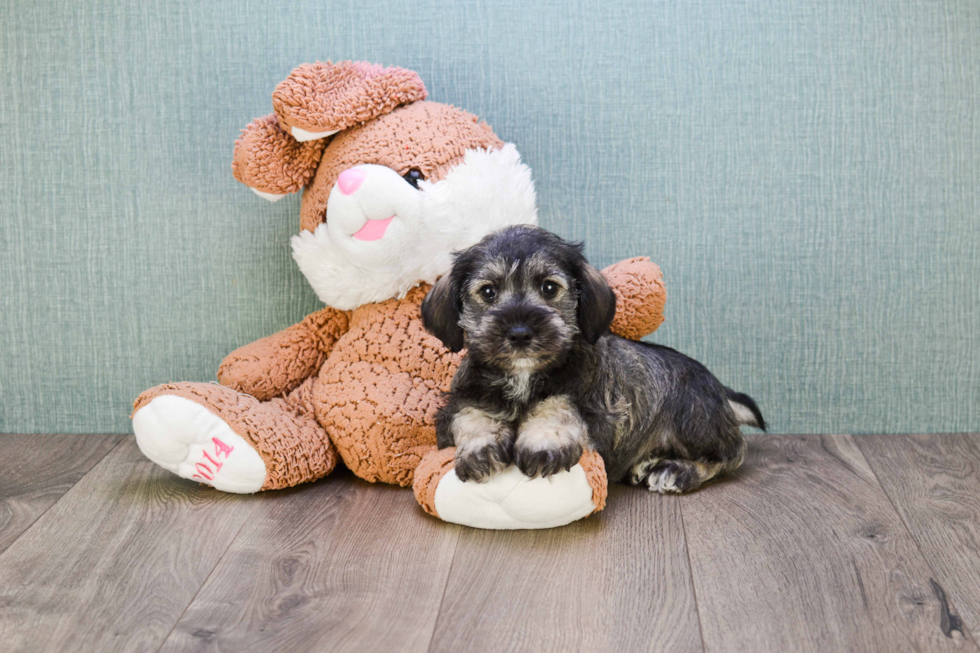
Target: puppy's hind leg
[
  {"x": 693, "y": 452},
  {"x": 676, "y": 475}
]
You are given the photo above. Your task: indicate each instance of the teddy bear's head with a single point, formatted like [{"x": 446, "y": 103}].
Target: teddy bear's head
[{"x": 392, "y": 184}]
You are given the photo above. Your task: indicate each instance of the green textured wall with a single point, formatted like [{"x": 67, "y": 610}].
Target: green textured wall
[{"x": 806, "y": 173}]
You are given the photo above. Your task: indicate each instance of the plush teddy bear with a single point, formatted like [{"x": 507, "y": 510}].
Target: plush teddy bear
[{"x": 392, "y": 185}]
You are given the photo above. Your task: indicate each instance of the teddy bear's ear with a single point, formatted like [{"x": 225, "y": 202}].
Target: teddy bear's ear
[
  {"x": 320, "y": 99},
  {"x": 273, "y": 163}
]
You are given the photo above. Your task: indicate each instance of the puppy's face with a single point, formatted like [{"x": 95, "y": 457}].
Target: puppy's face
[
  {"x": 519, "y": 315},
  {"x": 519, "y": 299}
]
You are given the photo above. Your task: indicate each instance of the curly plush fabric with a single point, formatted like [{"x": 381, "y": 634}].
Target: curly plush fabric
[
  {"x": 326, "y": 97},
  {"x": 430, "y": 471},
  {"x": 595, "y": 471},
  {"x": 378, "y": 392},
  {"x": 294, "y": 447},
  {"x": 278, "y": 363},
  {"x": 640, "y": 297},
  {"x": 270, "y": 160}
]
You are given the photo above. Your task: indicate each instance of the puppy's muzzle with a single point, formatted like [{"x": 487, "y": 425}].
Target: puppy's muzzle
[
  {"x": 522, "y": 329},
  {"x": 520, "y": 336}
]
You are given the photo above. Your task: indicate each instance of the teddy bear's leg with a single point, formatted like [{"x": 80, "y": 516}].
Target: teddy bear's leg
[
  {"x": 510, "y": 500},
  {"x": 229, "y": 440},
  {"x": 382, "y": 423}
]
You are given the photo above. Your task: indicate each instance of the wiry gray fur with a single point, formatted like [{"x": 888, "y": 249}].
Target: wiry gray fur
[{"x": 549, "y": 379}]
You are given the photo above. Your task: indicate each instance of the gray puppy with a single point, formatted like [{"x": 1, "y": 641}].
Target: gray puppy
[{"x": 544, "y": 378}]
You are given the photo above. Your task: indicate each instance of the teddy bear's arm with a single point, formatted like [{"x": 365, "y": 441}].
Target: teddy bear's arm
[
  {"x": 510, "y": 500},
  {"x": 278, "y": 363},
  {"x": 640, "y": 296}
]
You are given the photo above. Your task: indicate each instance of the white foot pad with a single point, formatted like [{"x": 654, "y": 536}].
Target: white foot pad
[
  {"x": 511, "y": 500},
  {"x": 665, "y": 482},
  {"x": 184, "y": 437}
]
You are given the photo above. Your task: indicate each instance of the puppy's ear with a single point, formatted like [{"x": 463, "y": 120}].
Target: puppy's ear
[
  {"x": 440, "y": 312},
  {"x": 596, "y": 303}
]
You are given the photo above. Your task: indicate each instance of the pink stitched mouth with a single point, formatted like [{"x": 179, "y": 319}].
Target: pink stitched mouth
[{"x": 373, "y": 229}]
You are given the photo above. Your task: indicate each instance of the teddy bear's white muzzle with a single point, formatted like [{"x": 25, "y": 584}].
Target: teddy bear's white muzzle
[{"x": 366, "y": 201}]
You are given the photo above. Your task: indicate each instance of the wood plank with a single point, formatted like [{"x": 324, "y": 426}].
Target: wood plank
[
  {"x": 115, "y": 562},
  {"x": 616, "y": 581},
  {"x": 803, "y": 551},
  {"x": 934, "y": 482},
  {"x": 38, "y": 470},
  {"x": 341, "y": 565}
]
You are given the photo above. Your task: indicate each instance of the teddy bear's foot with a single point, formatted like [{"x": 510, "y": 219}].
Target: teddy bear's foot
[
  {"x": 186, "y": 438},
  {"x": 230, "y": 440},
  {"x": 510, "y": 500}
]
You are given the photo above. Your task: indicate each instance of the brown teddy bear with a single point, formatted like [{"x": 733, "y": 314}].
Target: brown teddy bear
[{"x": 392, "y": 185}]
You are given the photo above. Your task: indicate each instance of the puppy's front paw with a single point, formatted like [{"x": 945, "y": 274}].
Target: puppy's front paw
[
  {"x": 479, "y": 463},
  {"x": 550, "y": 440},
  {"x": 548, "y": 461}
]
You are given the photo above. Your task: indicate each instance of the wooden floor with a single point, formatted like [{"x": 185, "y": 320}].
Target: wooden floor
[{"x": 833, "y": 543}]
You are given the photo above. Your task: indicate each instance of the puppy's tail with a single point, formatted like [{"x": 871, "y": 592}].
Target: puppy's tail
[{"x": 746, "y": 411}]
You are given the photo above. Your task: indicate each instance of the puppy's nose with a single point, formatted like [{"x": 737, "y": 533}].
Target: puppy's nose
[
  {"x": 350, "y": 180},
  {"x": 519, "y": 335}
]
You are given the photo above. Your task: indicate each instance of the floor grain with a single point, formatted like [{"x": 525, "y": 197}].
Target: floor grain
[
  {"x": 616, "y": 581},
  {"x": 934, "y": 482},
  {"x": 340, "y": 565},
  {"x": 114, "y": 563},
  {"x": 817, "y": 544},
  {"x": 803, "y": 551},
  {"x": 38, "y": 470}
]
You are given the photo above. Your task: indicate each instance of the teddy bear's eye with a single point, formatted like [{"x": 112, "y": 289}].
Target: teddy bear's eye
[{"x": 414, "y": 176}]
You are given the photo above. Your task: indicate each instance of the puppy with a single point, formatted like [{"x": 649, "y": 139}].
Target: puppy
[{"x": 544, "y": 378}]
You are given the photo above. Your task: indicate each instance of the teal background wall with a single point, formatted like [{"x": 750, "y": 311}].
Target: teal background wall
[{"x": 806, "y": 173}]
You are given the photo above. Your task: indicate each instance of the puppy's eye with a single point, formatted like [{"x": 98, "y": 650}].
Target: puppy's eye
[
  {"x": 413, "y": 177},
  {"x": 549, "y": 289},
  {"x": 488, "y": 292}
]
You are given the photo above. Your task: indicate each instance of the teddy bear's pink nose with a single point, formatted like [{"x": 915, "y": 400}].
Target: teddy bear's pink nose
[{"x": 350, "y": 180}]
